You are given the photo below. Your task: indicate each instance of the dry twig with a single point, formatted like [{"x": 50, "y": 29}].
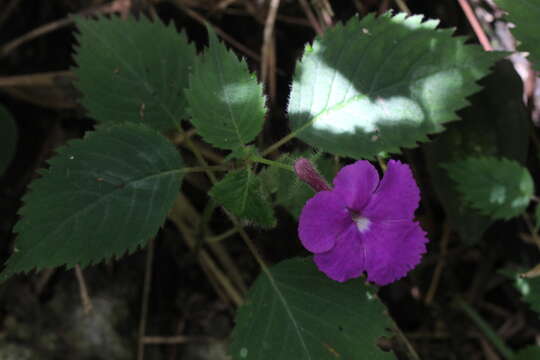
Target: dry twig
[
  {"x": 440, "y": 265},
  {"x": 200, "y": 19},
  {"x": 145, "y": 297},
  {"x": 311, "y": 17},
  {"x": 121, "y": 6},
  {"x": 85, "y": 298},
  {"x": 268, "y": 63},
  {"x": 471, "y": 17}
]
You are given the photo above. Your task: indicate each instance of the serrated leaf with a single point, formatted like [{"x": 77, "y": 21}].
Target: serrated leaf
[
  {"x": 295, "y": 312},
  {"x": 529, "y": 353},
  {"x": 102, "y": 196},
  {"x": 225, "y": 101},
  {"x": 379, "y": 84},
  {"x": 524, "y": 14},
  {"x": 8, "y": 138},
  {"x": 496, "y": 124},
  {"x": 133, "y": 70},
  {"x": 500, "y": 188},
  {"x": 240, "y": 192}
]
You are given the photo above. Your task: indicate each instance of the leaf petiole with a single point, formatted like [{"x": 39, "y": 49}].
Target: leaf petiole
[{"x": 271, "y": 163}]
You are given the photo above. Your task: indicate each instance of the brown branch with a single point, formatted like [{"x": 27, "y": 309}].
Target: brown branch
[
  {"x": 38, "y": 79},
  {"x": 178, "y": 339},
  {"x": 268, "y": 63},
  {"x": 440, "y": 265},
  {"x": 200, "y": 19},
  {"x": 311, "y": 17},
  {"x": 115, "y": 6},
  {"x": 477, "y": 28},
  {"x": 83, "y": 290},
  {"x": 145, "y": 298}
]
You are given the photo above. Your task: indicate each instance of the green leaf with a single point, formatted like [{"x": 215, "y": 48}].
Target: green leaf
[
  {"x": 500, "y": 188},
  {"x": 295, "y": 312},
  {"x": 529, "y": 353},
  {"x": 497, "y": 124},
  {"x": 102, "y": 196},
  {"x": 378, "y": 84},
  {"x": 8, "y": 138},
  {"x": 524, "y": 14},
  {"x": 225, "y": 101},
  {"x": 241, "y": 193},
  {"x": 133, "y": 70}
]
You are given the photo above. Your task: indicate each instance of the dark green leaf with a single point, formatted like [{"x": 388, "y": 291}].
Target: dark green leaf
[
  {"x": 241, "y": 193},
  {"x": 225, "y": 101},
  {"x": 8, "y": 139},
  {"x": 529, "y": 353},
  {"x": 133, "y": 70},
  {"x": 379, "y": 84},
  {"x": 296, "y": 312},
  {"x": 496, "y": 124},
  {"x": 524, "y": 14},
  {"x": 500, "y": 188},
  {"x": 102, "y": 196}
]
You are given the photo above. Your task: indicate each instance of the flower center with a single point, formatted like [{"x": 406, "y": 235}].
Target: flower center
[{"x": 362, "y": 223}]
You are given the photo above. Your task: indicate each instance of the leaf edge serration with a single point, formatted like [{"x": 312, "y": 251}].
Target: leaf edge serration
[
  {"x": 486, "y": 63},
  {"x": 66, "y": 151}
]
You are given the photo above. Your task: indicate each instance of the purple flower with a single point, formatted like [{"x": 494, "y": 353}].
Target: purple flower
[{"x": 364, "y": 224}]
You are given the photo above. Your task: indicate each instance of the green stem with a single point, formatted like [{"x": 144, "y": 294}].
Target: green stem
[
  {"x": 288, "y": 137},
  {"x": 272, "y": 163},
  {"x": 243, "y": 234},
  {"x": 486, "y": 329}
]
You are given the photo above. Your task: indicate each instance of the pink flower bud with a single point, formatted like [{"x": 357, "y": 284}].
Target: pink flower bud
[{"x": 306, "y": 172}]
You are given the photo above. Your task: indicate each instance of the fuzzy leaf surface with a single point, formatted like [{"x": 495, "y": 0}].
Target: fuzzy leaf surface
[
  {"x": 524, "y": 14},
  {"x": 382, "y": 83},
  {"x": 496, "y": 124},
  {"x": 133, "y": 70},
  {"x": 102, "y": 196},
  {"x": 296, "y": 312},
  {"x": 8, "y": 139},
  {"x": 500, "y": 188},
  {"x": 225, "y": 101},
  {"x": 241, "y": 192}
]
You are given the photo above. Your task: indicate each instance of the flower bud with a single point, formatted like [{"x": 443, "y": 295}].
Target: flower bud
[{"x": 306, "y": 172}]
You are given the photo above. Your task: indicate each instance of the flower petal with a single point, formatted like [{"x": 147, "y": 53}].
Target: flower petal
[
  {"x": 323, "y": 219},
  {"x": 356, "y": 183},
  {"x": 397, "y": 197},
  {"x": 392, "y": 249},
  {"x": 346, "y": 260}
]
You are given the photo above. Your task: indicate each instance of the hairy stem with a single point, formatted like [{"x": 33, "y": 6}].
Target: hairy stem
[{"x": 272, "y": 163}]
